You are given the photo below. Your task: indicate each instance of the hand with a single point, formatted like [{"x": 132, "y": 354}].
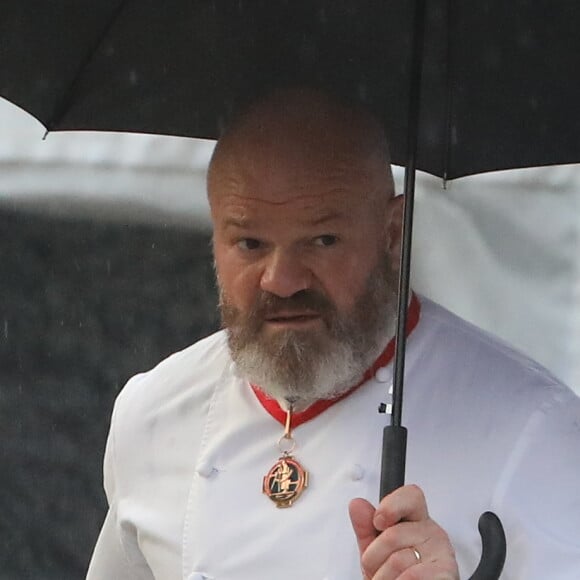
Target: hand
[{"x": 388, "y": 537}]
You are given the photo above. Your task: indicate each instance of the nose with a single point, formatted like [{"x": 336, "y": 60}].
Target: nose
[{"x": 285, "y": 274}]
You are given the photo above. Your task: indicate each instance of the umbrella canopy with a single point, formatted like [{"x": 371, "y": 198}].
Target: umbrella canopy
[{"x": 500, "y": 81}]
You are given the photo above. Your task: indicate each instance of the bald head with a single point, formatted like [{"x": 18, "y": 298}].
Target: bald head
[{"x": 304, "y": 128}]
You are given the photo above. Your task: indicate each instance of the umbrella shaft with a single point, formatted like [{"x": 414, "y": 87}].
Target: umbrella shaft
[{"x": 409, "y": 193}]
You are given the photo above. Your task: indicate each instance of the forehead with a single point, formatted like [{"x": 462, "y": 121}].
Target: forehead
[
  {"x": 308, "y": 210},
  {"x": 281, "y": 189}
]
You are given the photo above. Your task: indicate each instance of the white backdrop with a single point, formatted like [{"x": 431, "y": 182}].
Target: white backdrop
[{"x": 501, "y": 249}]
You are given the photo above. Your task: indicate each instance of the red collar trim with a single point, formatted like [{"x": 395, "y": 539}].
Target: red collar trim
[{"x": 273, "y": 407}]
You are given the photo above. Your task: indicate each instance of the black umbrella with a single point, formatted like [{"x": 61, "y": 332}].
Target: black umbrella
[
  {"x": 499, "y": 89},
  {"x": 500, "y": 86}
]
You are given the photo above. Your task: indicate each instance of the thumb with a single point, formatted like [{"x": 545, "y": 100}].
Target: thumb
[{"x": 361, "y": 516}]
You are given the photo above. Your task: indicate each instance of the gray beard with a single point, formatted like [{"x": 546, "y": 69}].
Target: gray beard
[{"x": 302, "y": 367}]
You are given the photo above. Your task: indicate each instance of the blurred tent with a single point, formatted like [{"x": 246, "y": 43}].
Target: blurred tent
[{"x": 500, "y": 249}]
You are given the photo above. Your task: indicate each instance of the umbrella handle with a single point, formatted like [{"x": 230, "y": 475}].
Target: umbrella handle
[
  {"x": 493, "y": 540},
  {"x": 493, "y": 545},
  {"x": 393, "y": 463}
]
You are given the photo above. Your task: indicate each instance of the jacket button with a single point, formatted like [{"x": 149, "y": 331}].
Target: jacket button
[
  {"x": 383, "y": 375},
  {"x": 205, "y": 469},
  {"x": 357, "y": 472}
]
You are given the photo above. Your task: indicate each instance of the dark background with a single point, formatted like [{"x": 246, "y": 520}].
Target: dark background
[{"x": 83, "y": 307}]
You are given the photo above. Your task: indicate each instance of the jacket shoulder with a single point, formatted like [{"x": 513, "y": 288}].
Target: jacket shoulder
[
  {"x": 190, "y": 374},
  {"x": 465, "y": 336},
  {"x": 161, "y": 409}
]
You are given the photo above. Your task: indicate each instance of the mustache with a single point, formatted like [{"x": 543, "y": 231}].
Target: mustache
[{"x": 268, "y": 305}]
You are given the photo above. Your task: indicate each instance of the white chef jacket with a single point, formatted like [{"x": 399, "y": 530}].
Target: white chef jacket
[{"x": 190, "y": 443}]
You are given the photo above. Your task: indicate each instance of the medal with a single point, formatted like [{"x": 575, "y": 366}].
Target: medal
[{"x": 287, "y": 479}]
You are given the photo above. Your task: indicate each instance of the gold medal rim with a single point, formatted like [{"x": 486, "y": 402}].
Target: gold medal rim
[{"x": 301, "y": 484}]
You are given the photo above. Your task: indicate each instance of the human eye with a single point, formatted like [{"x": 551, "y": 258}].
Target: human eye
[
  {"x": 248, "y": 244},
  {"x": 326, "y": 240}
]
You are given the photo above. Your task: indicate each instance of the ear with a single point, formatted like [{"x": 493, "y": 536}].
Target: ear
[{"x": 395, "y": 229}]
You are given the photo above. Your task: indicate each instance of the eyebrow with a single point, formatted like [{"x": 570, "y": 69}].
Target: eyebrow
[
  {"x": 332, "y": 216},
  {"x": 240, "y": 222}
]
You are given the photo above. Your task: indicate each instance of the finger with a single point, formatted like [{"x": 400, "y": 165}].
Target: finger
[
  {"x": 398, "y": 541},
  {"x": 419, "y": 571},
  {"x": 406, "y": 503},
  {"x": 361, "y": 516},
  {"x": 397, "y": 564}
]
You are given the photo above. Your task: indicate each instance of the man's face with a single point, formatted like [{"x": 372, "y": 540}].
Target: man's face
[{"x": 304, "y": 240}]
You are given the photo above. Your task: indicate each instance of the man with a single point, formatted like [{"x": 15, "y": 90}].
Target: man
[{"x": 279, "y": 411}]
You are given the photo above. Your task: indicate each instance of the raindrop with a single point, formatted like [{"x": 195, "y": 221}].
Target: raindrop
[
  {"x": 534, "y": 103},
  {"x": 362, "y": 91},
  {"x": 525, "y": 38},
  {"x": 109, "y": 50},
  {"x": 221, "y": 122},
  {"x": 454, "y": 136},
  {"x": 6, "y": 329}
]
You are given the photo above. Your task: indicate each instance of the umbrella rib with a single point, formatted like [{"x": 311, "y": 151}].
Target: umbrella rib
[
  {"x": 67, "y": 97},
  {"x": 449, "y": 85}
]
